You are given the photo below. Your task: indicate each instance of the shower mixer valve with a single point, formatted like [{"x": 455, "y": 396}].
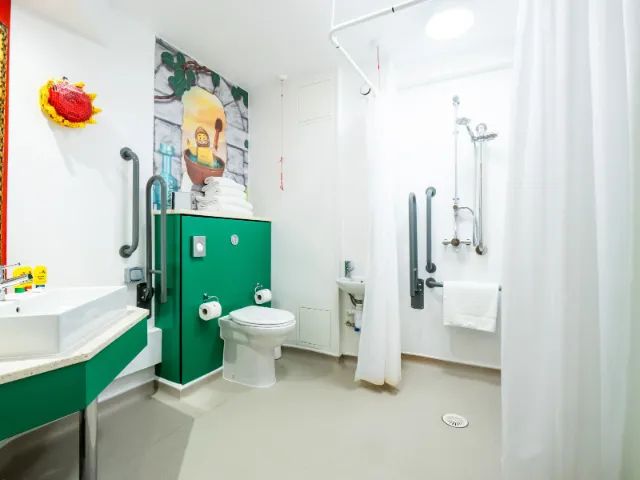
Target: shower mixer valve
[{"x": 456, "y": 242}]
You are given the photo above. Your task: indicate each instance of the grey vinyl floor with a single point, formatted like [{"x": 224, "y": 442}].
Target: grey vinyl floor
[{"x": 314, "y": 424}]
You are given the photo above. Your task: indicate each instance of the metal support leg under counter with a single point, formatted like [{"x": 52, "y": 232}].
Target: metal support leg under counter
[{"x": 89, "y": 442}]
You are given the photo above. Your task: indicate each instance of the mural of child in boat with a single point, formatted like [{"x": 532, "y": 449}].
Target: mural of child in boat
[{"x": 201, "y": 124}]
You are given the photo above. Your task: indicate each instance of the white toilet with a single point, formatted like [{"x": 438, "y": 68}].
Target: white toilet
[{"x": 250, "y": 336}]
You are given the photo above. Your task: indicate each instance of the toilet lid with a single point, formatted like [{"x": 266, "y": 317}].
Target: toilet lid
[{"x": 261, "y": 316}]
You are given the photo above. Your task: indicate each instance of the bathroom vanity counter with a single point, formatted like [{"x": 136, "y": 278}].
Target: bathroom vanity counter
[
  {"x": 37, "y": 391},
  {"x": 204, "y": 213},
  {"x": 12, "y": 370}
]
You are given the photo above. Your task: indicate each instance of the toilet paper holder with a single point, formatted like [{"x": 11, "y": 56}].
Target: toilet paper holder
[
  {"x": 258, "y": 287},
  {"x": 206, "y": 298}
]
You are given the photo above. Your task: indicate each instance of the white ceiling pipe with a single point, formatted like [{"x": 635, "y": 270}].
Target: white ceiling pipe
[{"x": 357, "y": 21}]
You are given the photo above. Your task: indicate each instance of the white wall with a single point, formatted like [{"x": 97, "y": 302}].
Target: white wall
[
  {"x": 69, "y": 192},
  {"x": 305, "y": 222},
  {"x": 425, "y": 158}
]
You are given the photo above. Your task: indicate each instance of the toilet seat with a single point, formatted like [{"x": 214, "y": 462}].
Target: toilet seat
[{"x": 262, "y": 317}]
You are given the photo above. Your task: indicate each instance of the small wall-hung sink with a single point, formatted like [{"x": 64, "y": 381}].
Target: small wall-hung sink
[
  {"x": 50, "y": 322},
  {"x": 354, "y": 285}
]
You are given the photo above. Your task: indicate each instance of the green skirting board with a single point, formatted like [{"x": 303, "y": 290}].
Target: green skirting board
[{"x": 34, "y": 401}]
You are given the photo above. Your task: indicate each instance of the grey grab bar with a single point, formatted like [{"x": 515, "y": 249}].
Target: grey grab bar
[
  {"x": 431, "y": 283},
  {"x": 127, "y": 250},
  {"x": 431, "y": 267},
  {"x": 163, "y": 239},
  {"x": 416, "y": 285}
]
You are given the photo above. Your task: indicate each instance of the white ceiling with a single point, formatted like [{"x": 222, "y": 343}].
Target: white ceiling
[{"x": 253, "y": 41}]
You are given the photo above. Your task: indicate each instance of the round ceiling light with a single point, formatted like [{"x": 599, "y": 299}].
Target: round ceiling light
[{"x": 449, "y": 24}]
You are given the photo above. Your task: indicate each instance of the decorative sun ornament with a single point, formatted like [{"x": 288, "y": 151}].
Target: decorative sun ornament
[{"x": 67, "y": 103}]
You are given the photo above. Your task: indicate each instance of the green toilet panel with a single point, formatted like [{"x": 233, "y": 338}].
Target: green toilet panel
[
  {"x": 167, "y": 315},
  {"x": 230, "y": 272},
  {"x": 37, "y": 400}
]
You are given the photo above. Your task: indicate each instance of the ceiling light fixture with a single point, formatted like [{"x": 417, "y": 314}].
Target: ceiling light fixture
[{"x": 449, "y": 24}]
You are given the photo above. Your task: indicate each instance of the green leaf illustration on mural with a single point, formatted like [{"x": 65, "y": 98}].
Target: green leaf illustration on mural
[
  {"x": 179, "y": 83},
  {"x": 246, "y": 144},
  {"x": 238, "y": 93},
  {"x": 215, "y": 78},
  {"x": 167, "y": 59},
  {"x": 184, "y": 77}
]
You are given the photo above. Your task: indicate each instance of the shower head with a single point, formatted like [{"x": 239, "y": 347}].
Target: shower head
[{"x": 456, "y": 100}]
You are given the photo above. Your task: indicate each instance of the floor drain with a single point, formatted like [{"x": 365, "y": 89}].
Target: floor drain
[{"x": 455, "y": 420}]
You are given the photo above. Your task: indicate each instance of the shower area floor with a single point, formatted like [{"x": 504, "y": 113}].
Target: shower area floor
[{"x": 315, "y": 423}]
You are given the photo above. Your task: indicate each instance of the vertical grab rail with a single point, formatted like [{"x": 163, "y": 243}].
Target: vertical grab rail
[
  {"x": 148, "y": 294},
  {"x": 480, "y": 249},
  {"x": 416, "y": 285},
  {"x": 431, "y": 267},
  {"x": 127, "y": 250}
]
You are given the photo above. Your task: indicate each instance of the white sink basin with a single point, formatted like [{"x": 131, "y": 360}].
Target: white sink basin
[
  {"x": 353, "y": 285},
  {"x": 54, "y": 320}
]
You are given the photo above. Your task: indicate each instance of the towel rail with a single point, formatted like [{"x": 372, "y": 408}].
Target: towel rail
[{"x": 431, "y": 283}]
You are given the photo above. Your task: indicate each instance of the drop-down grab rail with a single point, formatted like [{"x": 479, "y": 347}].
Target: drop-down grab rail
[{"x": 416, "y": 284}]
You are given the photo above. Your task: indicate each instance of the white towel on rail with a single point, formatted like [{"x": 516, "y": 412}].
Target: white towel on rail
[{"x": 470, "y": 305}]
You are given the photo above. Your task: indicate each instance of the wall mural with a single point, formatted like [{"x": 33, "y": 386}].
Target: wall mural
[
  {"x": 201, "y": 124},
  {"x": 5, "y": 15}
]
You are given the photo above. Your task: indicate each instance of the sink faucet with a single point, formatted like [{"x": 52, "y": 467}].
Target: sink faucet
[
  {"x": 348, "y": 268},
  {"x": 10, "y": 282}
]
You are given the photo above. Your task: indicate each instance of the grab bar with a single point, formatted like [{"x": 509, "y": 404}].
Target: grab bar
[
  {"x": 431, "y": 283},
  {"x": 163, "y": 239},
  {"x": 416, "y": 285},
  {"x": 127, "y": 250},
  {"x": 431, "y": 267}
]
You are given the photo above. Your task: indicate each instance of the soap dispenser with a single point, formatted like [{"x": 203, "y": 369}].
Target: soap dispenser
[{"x": 40, "y": 276}]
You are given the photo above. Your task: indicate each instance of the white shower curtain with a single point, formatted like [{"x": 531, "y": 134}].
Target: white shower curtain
[
  {"x": 570, "y": 396},
  {"x": 379, "y": 350}
]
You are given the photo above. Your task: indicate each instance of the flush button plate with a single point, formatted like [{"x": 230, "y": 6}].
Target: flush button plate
[{"x": 198, "y": 246}]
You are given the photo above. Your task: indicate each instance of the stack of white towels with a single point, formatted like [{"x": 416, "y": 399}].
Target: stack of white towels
[{"x": 223, "y": 196}]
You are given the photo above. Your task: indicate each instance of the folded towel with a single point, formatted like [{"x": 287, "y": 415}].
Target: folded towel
[
  {"x": 222, "y": 182},
  {"x": 223, "y": 201},
  {"x": 227, "y": 211},
  {"x": 216, "y": 190},
  {"x": 470, "y": 305}
]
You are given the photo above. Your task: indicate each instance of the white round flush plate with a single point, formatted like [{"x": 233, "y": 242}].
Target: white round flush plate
[{"x": 234, "y": 240}]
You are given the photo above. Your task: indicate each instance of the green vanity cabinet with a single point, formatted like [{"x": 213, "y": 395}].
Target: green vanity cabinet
[
  {"x": 41, "y": 398},
  {"x": 238, "y": 257}
]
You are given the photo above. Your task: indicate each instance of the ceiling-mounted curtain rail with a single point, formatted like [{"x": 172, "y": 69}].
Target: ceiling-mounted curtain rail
[{"x": 357, "y": 21}]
